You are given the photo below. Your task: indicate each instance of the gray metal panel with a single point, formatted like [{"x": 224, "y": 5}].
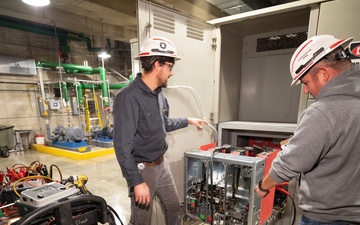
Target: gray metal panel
[
  {"x": 231, "y": 50},
  {"x": 269, "y": 11},
  {"x": 226, "y": 129},
  {"x": 347, "y": 26},
  {"x": 265, "y": 92},
  {"x": 225, "y": 158},
  {"x": 17, "y": 66}
]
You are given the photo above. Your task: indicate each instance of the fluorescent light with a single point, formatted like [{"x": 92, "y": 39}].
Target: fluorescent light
[
  {"x": 37, "y": 2},
  {"x": 104, "y": 55}
]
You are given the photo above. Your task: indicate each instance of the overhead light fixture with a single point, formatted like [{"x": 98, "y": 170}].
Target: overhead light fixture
[
  {"x": 104, "y": 55},
  {"x": 37, "y": 2}
]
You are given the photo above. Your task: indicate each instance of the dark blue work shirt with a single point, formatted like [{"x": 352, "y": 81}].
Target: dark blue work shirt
[{"x": 140, "y": 125}]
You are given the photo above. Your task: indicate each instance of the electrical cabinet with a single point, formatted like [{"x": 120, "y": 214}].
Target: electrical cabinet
[
  {"x": 219, "y": 186},
  {"x": 239, "y": 67}
]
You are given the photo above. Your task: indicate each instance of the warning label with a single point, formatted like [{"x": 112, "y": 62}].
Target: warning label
[{"x": 355, "y": 52}]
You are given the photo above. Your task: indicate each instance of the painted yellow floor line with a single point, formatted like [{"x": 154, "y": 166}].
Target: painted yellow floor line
[{"x": 72, "y": 154}]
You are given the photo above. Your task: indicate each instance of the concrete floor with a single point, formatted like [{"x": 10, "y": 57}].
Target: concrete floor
[{"x": 104, "y": 175}]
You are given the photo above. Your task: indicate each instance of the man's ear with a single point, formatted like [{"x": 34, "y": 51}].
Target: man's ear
[
  {"x": 156, "y": 65},
  {"x": 325, "y": 74}
]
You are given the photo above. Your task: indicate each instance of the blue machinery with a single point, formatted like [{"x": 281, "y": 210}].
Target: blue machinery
[{"x": 70, "y": 138}]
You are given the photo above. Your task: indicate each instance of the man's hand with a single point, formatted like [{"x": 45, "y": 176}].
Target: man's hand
[
  {"x": 266, "y": 185},
  {"x": 142, "y": 194},
  {"x": 197, "y": 122},
  {"x": 260, "y": 193}
]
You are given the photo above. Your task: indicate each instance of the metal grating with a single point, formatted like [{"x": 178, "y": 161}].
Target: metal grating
[
  {"x": 164, "y": 22},
  {"x": 279, "y": 42},
  {"x": 195, "y": 30}
]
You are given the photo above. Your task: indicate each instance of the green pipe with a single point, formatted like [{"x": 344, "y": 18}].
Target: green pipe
[
  {"x": 80, "y": 97},
  {"x": 104, "y": 89},
  {"x": 80, "y": 37},
  {"x": 70, "y": 68},
  {"x": 81, "y": 86},
  {"x": 62, "y": 34},
  {"x": 65, "y": 93},
  {"x": 98, "y": 86}
]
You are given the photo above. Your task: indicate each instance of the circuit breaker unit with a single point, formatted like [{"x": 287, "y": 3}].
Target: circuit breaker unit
[{"x": 219, "y": 187}]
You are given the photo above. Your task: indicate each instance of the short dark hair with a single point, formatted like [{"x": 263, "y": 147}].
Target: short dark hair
[
  {"x": 331, "y": 60},
  {"x": 147, "y": 63}
]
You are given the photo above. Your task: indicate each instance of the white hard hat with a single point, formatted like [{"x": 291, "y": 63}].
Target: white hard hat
[
  {"x": 158, "y": 46},
  {"x": 312, "y": 51}
]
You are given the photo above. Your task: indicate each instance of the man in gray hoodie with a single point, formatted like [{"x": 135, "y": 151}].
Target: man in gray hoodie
[{"x": 325, "y": 148}]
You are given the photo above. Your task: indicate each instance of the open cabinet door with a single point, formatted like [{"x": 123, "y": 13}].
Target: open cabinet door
[{"x": 193, "y": 77}]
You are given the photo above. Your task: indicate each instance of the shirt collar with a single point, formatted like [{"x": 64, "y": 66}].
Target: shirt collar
[{"x": 144, "y": 87}]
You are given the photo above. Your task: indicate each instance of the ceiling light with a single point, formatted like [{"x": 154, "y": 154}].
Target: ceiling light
[
  {"x": 37, "y": 2},
  {"x": 104, "y": 55}
]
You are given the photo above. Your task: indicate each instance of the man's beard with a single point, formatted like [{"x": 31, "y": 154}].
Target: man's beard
[{"x": 164, "y": 84}]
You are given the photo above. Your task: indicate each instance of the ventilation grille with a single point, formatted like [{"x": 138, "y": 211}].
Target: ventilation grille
[
  {"x": 164, "y": 22},
  {"x": 195, "y": 30},
  {"x": 279, "y": 42}
]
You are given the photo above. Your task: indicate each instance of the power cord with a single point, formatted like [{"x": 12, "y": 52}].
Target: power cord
[
  {"x": 198, "y": 101},
  {"x": 280, "y": 189}
]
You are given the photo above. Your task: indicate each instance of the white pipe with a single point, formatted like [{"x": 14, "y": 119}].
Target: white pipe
[{"x": 39, "y": 70}]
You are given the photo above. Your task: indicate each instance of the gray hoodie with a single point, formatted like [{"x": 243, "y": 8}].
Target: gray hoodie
[{"x": 325, "y": 149}]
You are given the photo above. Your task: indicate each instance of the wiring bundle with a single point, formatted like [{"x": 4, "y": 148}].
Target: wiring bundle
[{"x": 30, "y": 195}]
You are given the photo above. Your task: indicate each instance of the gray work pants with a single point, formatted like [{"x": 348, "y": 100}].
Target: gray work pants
[{"x": 161, "y": 184}]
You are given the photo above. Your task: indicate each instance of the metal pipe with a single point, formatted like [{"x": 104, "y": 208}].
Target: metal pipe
[
  {"x": 69, "y": 68},
  {"x": 62, "y": 34},
  {"x": 17, "y": 90},
  {"x": 65, "y": 91},
  {"x": 12, "y": 82},
  {"x": 79, "y": 94},
  {"x": 42, "y": 92},
  {"x": 97, "y": 86},
  {"x": 48, "y": 131},
  {"x": 117, "y": 73},
  {"x": 104, "y": 90}
]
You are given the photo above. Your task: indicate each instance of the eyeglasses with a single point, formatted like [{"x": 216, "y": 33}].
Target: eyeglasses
[{"x": 170, "y": 65}]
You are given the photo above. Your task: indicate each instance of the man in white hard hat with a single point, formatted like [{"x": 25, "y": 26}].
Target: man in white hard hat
[
  {"x": 325, "y": 148},
  {"x": 140, "y": 125}
]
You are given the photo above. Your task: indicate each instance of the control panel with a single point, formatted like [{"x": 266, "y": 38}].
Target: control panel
[{"x": 46, "y": 194}]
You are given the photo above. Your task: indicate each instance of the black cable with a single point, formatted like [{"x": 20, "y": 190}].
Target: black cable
[
  {"x": 51, "y": 173},
  {"x": 114, "y": 213},
  {"x": 211, "y": 185},
  {"x": 294, "y": 207},
  {"x": 18, "y": 164},
  {"x": 33, "y": 162}
]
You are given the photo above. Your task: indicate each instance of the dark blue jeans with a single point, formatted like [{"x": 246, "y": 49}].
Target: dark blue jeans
[{"x": 306, "y": 221}]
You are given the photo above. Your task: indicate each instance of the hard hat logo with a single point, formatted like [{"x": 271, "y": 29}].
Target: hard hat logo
[
  {"x": 317, "y": 47},
  {"x": 161, "y": 51},
  {"x": 302, "y": 66},
  {"x": 158, "y": 46},
  {"x": 162, "y": 45}
]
